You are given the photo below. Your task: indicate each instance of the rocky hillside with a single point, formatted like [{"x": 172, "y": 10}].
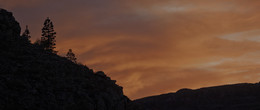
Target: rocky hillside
[
  {"x": 33, "y": 79},
  {"x": 228, "y": 97}
]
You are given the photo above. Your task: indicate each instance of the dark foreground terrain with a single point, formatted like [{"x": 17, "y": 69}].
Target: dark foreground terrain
[
  {"x": 228, "y": 97},
  {"x": 33, "y": 79}
]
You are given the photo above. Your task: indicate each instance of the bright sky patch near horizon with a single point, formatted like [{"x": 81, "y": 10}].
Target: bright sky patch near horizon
[{"x": 154, "y": 46}]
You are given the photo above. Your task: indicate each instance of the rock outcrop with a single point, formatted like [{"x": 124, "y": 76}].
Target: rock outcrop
[
  {"x": 33, "y": 79},
  {"x": 228, "y": 97}
]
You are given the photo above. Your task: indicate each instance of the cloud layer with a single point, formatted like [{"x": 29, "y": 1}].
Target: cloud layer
[{"x": 150, "y": 46}]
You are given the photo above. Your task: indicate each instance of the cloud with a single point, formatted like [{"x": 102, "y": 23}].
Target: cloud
[{"x": 252, "y": 35}]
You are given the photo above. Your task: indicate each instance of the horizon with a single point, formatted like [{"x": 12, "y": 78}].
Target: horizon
[{"x": 154, "y": 47}]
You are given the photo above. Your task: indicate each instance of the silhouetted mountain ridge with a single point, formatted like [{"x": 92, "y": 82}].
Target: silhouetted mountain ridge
[
  {"x": 243, "y": 96},
  {"x": 34, "y": 79}
]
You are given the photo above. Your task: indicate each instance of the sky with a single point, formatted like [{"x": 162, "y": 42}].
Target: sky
[{"x": 153, "y": 47}]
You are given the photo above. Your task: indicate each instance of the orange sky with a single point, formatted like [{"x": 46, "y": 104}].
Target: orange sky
[{"x": 154, "y": 46}]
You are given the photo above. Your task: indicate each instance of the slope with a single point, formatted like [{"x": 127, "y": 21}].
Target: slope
[
  {"x": 33, "y": 79},
  {"x": 228, "y": 97}
]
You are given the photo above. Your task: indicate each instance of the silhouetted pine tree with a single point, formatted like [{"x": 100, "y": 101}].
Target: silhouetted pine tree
[
  {"x": 71, "y": 56},
  {"x": 48, "y": 36},
  {"x": 26, "y": 33}
]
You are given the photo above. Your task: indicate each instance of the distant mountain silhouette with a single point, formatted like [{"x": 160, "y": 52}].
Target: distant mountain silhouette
[
  {"x": 228, "y": 97},
  {"x": 34, "y": 79}
]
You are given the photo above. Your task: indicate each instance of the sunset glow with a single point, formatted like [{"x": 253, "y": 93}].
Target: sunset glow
[{"x": 154, "y": 46}]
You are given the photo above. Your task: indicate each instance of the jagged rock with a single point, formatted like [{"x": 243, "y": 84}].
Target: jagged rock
[
  {"x": 33, "y": 79},
  {"x": 8, "y": 25}
]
